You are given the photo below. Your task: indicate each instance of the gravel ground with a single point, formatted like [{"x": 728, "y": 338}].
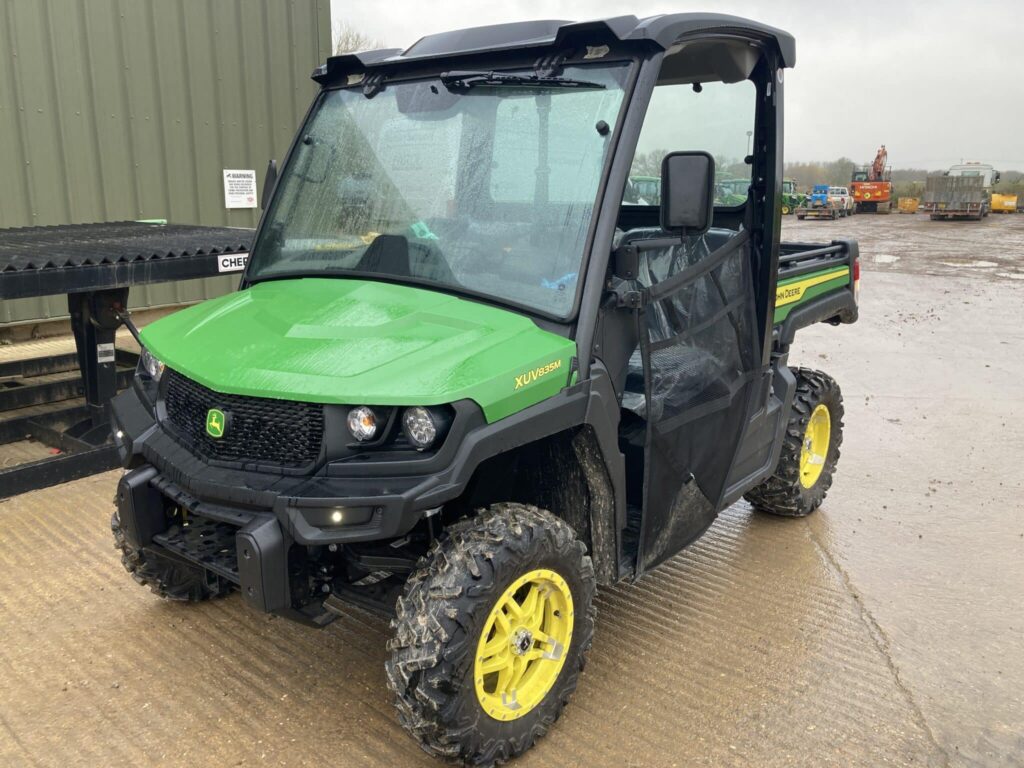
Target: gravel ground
[{"x": 887, "y": 629}]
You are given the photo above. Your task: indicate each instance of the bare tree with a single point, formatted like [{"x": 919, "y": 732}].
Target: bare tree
[
  {"x": 648, "y": 163},
  {"x": 348, "y": 39}
]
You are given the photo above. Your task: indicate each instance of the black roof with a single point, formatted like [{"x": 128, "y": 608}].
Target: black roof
[{"x": 662, "y": 31}]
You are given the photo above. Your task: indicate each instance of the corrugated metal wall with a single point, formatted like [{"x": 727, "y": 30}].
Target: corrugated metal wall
[{"x": 131, "y": 109}]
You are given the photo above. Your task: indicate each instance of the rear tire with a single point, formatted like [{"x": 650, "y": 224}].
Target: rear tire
[
  {"x": 800, "y": 484},
  {"x": 164, "y": 576},
  {"x": 440, "y": 667}
]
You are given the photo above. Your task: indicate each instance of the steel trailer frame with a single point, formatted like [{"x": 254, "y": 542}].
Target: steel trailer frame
[{"x": 95, "y": 265}]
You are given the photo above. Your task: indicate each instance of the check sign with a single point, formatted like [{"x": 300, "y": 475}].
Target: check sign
[{"x": 232, "y": 262}]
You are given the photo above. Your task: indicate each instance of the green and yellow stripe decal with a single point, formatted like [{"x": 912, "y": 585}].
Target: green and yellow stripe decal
[{"x": 791, "y": 292}]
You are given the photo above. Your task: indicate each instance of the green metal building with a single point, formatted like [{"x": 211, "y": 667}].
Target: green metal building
[{"x": 132, "y": 109}]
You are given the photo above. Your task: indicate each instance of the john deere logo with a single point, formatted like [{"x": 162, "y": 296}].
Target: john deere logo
[{"x": 216, "y": 423}]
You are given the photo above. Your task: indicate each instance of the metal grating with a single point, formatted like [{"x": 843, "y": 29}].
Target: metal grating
[
  {"x": 209, "y": 543},
  {"x": 118, "y": 242},
  {"x": 281, "y": 432}
]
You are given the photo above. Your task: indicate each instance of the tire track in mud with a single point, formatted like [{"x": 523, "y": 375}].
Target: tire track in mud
[{"x": 746, "y": 649}]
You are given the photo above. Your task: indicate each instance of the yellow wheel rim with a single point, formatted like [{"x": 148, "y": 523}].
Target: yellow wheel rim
[
  {"x": 523, "y": 644},
  {"x": 785, "y": 210},
  {"x": 815, "y": 447}
]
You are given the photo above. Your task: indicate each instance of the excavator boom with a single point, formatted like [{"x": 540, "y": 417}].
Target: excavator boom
[{"x": 878, "y": 167}]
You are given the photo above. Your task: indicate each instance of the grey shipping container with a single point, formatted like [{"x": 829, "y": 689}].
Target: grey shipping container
[{"x": 132, "y": 109}]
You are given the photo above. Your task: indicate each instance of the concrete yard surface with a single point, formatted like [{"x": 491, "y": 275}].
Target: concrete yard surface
[{"x": 886, "y": 629}]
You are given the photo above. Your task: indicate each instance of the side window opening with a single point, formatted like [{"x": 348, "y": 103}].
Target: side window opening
[{"x": 715, "y": 117}]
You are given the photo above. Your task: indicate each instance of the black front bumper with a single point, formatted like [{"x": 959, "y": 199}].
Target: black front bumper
[
  {"x": 243, "y": 523},
  {"x": 247, "y": 548}
]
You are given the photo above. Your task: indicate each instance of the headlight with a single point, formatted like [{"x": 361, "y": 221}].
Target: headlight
[
  {"x": 419, "y": 427},
  {"x": 425, "y": 426},
  {"x": 362, "y": 423},
  {"x": 153, "y": 367}
]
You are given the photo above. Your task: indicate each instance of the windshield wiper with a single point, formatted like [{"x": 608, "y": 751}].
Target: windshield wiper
[{"x": 471, "y": 79}]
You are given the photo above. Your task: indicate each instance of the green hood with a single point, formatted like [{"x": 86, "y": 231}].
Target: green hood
[{"x": 358, "y": 342}]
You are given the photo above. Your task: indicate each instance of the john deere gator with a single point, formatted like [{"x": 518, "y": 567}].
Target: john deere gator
[{"x": 462, "y": 383}]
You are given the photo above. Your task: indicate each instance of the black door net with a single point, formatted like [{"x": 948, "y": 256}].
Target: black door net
[{"x": 698, "y": 341}]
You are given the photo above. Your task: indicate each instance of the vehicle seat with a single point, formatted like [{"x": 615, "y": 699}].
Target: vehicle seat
[
  {"x": 395, "y": 255},
  {"x": 386, "y": 255}
]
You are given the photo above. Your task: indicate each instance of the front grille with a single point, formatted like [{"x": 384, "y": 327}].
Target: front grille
[{"x": 259, "y": 429}]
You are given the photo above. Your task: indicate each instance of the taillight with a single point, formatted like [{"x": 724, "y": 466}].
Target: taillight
[{"x": 856, "y": 281}]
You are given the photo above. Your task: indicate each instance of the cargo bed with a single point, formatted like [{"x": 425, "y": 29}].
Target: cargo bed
[{"x": 817, "y": 283}]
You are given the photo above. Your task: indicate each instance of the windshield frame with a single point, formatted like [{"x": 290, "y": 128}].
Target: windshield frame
[{"x": 631, "y": 58}]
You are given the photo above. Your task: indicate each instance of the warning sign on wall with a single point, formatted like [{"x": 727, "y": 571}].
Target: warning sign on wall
[{"x": 239, "y": 189}]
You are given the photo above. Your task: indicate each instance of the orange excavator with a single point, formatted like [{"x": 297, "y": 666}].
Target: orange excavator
[{"x": 872, "y": 185}]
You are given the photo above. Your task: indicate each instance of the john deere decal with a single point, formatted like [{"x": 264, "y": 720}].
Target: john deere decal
[
  {"x": 531, "y": 376},
  {"x": 791, "y": 292},
  {"x": 215, "y": 423}
]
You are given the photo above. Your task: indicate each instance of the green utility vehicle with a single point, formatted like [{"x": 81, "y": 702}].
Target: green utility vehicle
[
  {"x": 464, "y": 384},
  {"x": 731, "y": 192}
]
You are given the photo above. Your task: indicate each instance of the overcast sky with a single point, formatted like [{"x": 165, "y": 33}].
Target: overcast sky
[{"x": 936, "y": 82}]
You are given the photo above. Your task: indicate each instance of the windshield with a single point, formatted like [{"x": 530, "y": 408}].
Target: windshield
[{"x": 486, "y": 189}]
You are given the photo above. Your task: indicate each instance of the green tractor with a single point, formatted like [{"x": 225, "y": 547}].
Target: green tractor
[
  {"x": 464, "y": 383},
  {"x": 791, "y": 198}
]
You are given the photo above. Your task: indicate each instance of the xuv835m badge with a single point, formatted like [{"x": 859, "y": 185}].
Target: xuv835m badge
[{"x": 531, "y": 376}]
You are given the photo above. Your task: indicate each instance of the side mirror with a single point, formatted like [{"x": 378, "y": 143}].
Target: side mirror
[
  {"x": 687, "y": 192},
  {"x": 269, "y": 182}
]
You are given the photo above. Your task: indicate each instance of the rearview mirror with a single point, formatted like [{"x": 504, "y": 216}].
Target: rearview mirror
[{"x": 687, "y": 192}]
